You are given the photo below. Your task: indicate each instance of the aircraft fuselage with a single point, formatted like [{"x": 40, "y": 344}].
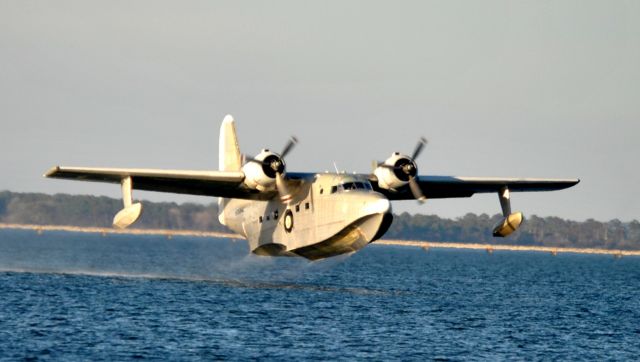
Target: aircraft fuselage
[{"x": 331, "y": 215}]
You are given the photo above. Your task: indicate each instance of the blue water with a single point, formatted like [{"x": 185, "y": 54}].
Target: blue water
[{"x": 67, "y": 296}]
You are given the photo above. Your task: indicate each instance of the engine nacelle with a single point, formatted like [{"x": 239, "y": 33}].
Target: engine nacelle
[
  {"x": 260, "y": 172},
  {"x": 396, "y": 171}
]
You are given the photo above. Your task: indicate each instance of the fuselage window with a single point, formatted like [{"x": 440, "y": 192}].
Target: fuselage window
[
  {"x": 321, "y": 191},
  {"x": 298, "y": 208},
  {"x": 275, "y": 215},
  {"x": 260, "y": 219},
  {"x": 306, "y": 206},
  {"x": 334, "y": 189},
  {"x": 267, "y": 217}
]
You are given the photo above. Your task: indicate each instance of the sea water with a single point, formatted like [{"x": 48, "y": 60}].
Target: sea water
[{"x": 73, "y": 296}]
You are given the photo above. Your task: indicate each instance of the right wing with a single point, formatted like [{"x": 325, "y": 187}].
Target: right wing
[{"x": 227, "y": 184}]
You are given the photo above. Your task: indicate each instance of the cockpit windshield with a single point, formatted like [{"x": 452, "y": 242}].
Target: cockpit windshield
[{"x": 350, "y": 186}]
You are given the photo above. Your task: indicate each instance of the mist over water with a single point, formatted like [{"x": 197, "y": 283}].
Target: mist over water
[{"x": 86, "y": 296}]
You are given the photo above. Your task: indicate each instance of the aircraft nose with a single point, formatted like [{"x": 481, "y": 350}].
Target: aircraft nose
[{"x": 378, "y": 206}]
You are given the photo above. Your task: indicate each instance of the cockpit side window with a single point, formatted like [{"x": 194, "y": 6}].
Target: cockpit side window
[{"x": 348, "y": 186}]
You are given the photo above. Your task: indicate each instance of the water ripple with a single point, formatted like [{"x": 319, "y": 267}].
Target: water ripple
[{"x": 70, "y": 297}]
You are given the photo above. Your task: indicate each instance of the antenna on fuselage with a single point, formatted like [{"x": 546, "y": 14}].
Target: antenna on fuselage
[{"x": 335, "y": 166}]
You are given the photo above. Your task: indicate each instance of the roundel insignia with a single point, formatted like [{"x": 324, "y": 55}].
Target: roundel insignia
[{"x": 288, "y": 221}]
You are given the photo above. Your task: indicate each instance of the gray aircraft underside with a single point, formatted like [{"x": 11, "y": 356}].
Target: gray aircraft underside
[{"x": 313, "y": 215}]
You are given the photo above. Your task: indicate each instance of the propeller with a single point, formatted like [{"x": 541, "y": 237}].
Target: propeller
[
  {"x": 407, "y": 170},
  {"x": 274, "y": 166}
]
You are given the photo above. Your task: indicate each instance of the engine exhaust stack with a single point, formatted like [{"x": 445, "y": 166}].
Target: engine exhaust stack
[{"x": 510, "y": 221}]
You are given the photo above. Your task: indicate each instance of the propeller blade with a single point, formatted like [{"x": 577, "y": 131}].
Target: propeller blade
[
  {"x": 281, "y": 183},
  {"x": 283, "y": 190},
  {"x": 292, "y": 142},
  {"x": 421, "y": 143},
  {"x": 416, "y": 191}
]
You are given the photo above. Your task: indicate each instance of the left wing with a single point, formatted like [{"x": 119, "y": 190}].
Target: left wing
[
  {"x": 439, "y": 187},
  {"x": 207, "y": 183}
]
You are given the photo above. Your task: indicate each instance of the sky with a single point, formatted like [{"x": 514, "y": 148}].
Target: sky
[{"x": 500, "y": 88}]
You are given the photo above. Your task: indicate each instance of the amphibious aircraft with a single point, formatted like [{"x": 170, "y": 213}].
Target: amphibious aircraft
[{"x": 312, "y": 215}]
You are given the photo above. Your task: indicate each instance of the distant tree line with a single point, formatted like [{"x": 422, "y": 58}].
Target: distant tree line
[
  {"x": 61, "y": 209},
  {"x": 81, "y": 210},
  {"x": 547, "y": 231}
]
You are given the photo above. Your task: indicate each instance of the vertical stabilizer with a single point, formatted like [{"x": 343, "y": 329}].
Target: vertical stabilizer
[{"x": 229, "y": 157}]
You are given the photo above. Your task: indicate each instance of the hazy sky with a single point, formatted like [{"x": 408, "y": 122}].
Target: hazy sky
[{"x": 500, "y": 88}]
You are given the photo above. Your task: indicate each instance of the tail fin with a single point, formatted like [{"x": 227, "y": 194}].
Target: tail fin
[{"x": 229, "y": 157}]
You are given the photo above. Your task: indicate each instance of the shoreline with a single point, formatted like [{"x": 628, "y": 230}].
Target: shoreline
[{"x": 490, "y": 248}]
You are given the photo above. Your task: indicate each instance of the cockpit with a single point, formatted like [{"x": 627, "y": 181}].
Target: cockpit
[{"x": 351, "y": 186}]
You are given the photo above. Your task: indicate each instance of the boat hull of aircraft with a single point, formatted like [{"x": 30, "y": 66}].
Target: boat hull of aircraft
[
  {"x": 316, "y": 225},
  {"x": 350, "y": 239}
]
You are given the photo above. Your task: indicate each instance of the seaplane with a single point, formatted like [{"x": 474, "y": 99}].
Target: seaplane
[{"x": 312, "y": 215}]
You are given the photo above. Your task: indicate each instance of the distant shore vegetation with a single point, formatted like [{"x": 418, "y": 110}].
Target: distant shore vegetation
[{"x": 83, "y": 210}]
